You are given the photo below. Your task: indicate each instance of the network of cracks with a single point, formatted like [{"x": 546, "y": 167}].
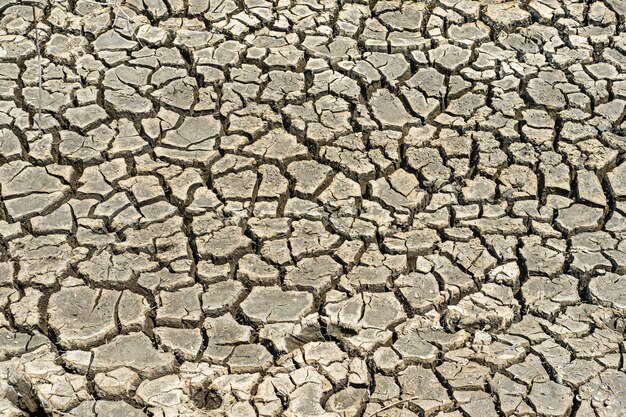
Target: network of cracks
[{"x": 312, "y": 208}]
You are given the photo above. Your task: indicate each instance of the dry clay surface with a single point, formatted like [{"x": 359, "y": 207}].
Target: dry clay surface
[{"x": 312, "y": 208}]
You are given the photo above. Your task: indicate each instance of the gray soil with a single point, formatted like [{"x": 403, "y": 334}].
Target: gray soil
[{"x": 312, "y": 208}]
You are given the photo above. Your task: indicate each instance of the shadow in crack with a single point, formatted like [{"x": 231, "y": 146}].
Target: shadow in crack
[{"x": 207, "y": 399}]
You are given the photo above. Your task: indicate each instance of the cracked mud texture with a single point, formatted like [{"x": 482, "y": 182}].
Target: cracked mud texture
[{"x": 312, "y": 208}]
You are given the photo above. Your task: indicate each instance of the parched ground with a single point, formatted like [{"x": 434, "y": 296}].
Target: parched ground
[{"x": 312, "y": 208}]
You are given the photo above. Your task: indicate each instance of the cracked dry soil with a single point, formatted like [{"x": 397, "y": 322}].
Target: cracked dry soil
[{"x": 312, "y": 208}]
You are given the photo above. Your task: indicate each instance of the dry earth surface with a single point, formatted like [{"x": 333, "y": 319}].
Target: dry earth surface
[{"x": 312, "y": 208}]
